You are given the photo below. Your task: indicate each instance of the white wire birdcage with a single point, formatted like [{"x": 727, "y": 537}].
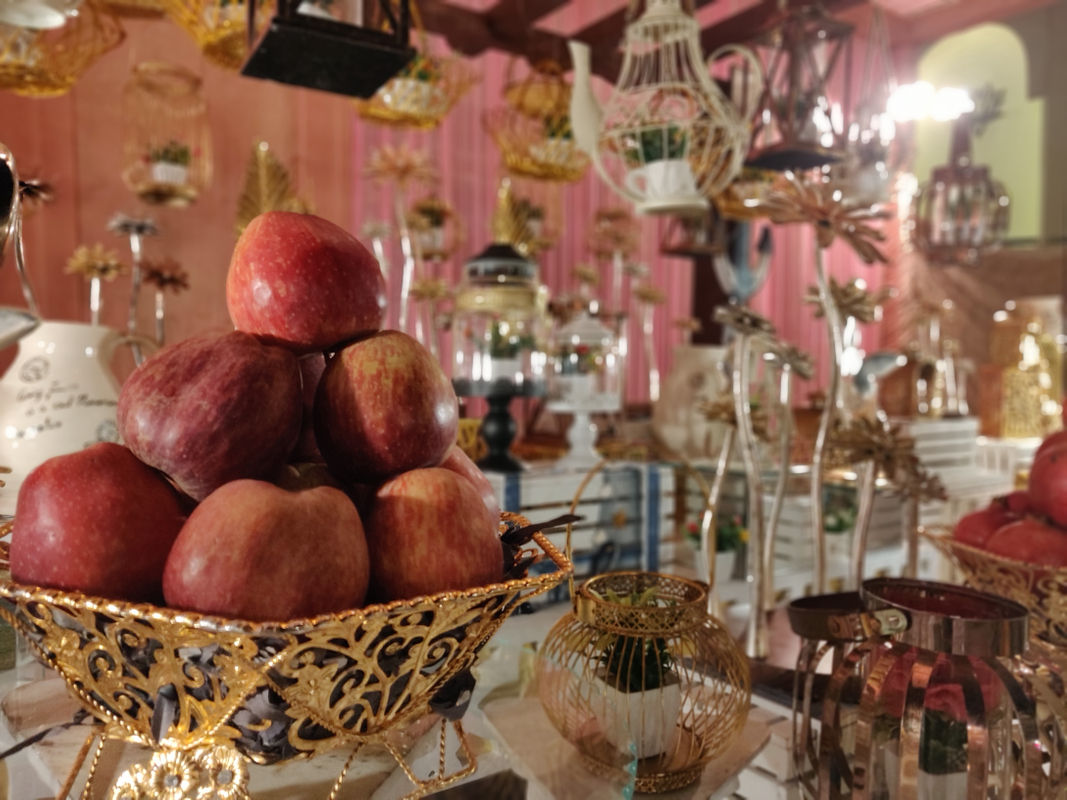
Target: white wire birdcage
[{"x": 667, "y": 139}]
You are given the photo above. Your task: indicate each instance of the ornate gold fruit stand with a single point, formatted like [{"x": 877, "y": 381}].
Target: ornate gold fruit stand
[{"x": 210, "y": 696}]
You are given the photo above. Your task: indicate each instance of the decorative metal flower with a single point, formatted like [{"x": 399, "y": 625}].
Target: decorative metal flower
[
  {"x": 825, "y": 207},
  {"x": 166, "y": 274},
  {"x": 852, "y": 299},
  {"x": 723, "y": 410},
  {"x": 173, "y": 775},
  {"x": 865, "y": 439},
  {"x": 613, "y": 232},
  {"x": 125, "y": 225},
  {"x": 635, "y": 269},
  {"x": 399, "y": 164},
  {"x": 688, "y": 324},
  {"x": 916, "y": 482},
  {"x": 94, "y": 261},
  {"x": 586, "y": 275},
  {"x": 652, "y": 295},
  {"x": 375, "y": 229},
  {"x": 785, "y": 354},
  {"x": 744, "y": 320},
  {"x": 429, "y": 290},
  {"x": 34, "y": 193}
]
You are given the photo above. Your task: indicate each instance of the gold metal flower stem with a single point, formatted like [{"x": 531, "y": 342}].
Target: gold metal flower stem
[
  {"x": 160, "y": 317},
  {"x": 866, "y": 472},
  {"x": 911, "y": 540},
  {"x": 618, "y": 264},
  {"x": 709, "y": 521},
  {"x": 785, "y": 443},
  {"x": 756, "y": 641},
  {"x": 409, "y": 247},
  {"x": 837, "y": 346},
  {"x": 94, "y": 300}
]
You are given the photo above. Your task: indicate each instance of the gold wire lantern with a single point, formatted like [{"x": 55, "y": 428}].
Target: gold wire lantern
[
  {"x": 533, "y": 128},
  {"x": 668, "y": 138},
  {"x": 135, "y": 9},
  {"x": 423, "y": 92},
  {"x": 219, "y": 27},
  {"x": 795, "y": 127},
  {"x": 46, "y": 63},
  {"x": 167, "y": 140},
  {"x": 640, "y": 672}
]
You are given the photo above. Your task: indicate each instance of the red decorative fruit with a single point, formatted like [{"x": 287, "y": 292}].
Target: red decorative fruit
[
  {"x": 252, "y": 550},
  {"x": 1048, "y": 484},
  {"x": 384, "y": 407},
  {"x": 212, "y": 409},
  {"x": 96, "y": 521},
  {"x": 459, "y": 462},
  {"x": 300, "y": 281},
  {"x": 976, "y": 528},
  {"x": 429, "y": 531},
  {"x": 1030, "y": 540}
]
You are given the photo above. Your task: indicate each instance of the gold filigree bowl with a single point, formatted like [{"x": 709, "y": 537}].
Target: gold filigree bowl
[
  {"x": 1041, "y": 589},
  {"x": 180, "y": 681}
]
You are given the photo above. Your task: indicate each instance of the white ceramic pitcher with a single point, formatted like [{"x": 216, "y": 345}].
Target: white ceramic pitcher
[{"x": 58, "y": 396}]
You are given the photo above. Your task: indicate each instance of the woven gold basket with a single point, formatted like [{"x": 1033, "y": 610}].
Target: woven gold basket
[
  {"x": 1040, "y": 589},
  {"x": 208, "y": 694}
]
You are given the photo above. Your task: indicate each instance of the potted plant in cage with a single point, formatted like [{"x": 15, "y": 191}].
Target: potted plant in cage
[
  {"x": 656, "y": 156},
  {"x": 642, "y": 696},
  {"x": 415, "y": 87},
  {"x": 506, "y": 344},
  {"x": 557, "y": 146},
  {"x": 429, "y": 217},
  {"x": 169, "y": 162}
]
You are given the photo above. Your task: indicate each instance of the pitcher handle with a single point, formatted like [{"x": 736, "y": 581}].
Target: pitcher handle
[{"x": 747, "y": 55}]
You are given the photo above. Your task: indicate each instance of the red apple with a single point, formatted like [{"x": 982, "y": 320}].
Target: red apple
[
  {"x": 1030, "y": 540},
  {"x": 459, "y": 462},
  {"x": 1017, "y": 502},
  {"x": 429, "y": 531},
  {"x": 254, "y": 551},
  {"x": 1048, "y": 484},
  {"x": 976, "y": 528},
  {"x": 1053, "y": 442},
  {"x": 311, "y": 369},
  {"x": 212, "y": 409},
  {"x": 300, "y": 281},
  {"x": 96, "y": 521},
  {"x": 384, "y": 407}
]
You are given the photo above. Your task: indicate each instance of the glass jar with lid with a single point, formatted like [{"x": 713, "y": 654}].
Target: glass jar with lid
[{"x": 498, "y": 326}]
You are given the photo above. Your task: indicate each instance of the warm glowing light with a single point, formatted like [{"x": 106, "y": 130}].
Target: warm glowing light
[{"x": 922, "y": 100}]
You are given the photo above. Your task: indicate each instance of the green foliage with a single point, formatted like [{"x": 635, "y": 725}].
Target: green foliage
[
  {"x": 508, "y": 345},
  {"x": 173, "y": 152},
  {"x": 942, "y": 744},
  {"x": 635, "y": 663},
  {"x": 656, "y": 143},
  {"x": 558, "y": 126},
  {"x": 421, "y": 68}
]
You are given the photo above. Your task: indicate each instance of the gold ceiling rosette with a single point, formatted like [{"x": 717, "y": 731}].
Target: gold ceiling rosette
[
  {"x": 219, "y": 27},
  {"x": 533, "y": 127},
  {"x": 46, "y": 63}
]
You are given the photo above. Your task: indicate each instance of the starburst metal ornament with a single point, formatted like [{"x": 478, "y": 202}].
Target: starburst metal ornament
[
  {"x": 95, "y": 263},
  {"x": 166, "y": 275}
]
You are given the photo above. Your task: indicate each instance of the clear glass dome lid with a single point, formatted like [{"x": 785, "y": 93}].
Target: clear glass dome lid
[{"x": 585, "y": 366}]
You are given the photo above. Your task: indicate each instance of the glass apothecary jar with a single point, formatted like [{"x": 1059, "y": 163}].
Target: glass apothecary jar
[
  {"x": 167, "y": 150},
  {"x": 498, "y": 326},
  {"x": 585, "y": 366}
]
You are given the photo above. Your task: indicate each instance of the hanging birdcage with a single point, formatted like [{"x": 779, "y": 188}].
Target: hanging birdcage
[
  {"x": 167, "y": 151},
  {"x": 423, "y": 92},
  {"x": 796, "y": 125},
  {"x": 47, "y": 62},
  {"x": 668, "y": 138},
  {"x": 533, "y": 128},
  {"x": 135, "y": 9},
  {"x": 219, "y": 27},
  {"x": 436, "y": 226}
]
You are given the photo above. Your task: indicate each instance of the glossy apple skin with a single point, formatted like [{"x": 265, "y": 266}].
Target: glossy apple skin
[
  {"x": 311, "y": 369},
  {"x": 429, "y": 531},
  {"x": 301, "y": 282},
  {"x": 254, "y": 551},
  {"x": 460, "y": 463},
  {"x": 212, "y": 409},
  {"x": 1048, "y": 484},
  {"x": 976, "y": 528},
  {"x": 1030, "y": 540},
  {"x": 96, "y": 521},
  {"x": 1051, "y": 442},
  {"x": 383, "y": 407}
]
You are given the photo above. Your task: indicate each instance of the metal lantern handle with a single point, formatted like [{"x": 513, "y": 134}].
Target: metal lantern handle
[{"x": 746, "y": 112}]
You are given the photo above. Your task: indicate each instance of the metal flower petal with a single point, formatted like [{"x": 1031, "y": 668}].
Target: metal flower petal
[
  {"x": 166, "y": 273},
  {"x": 852, "y": 299},
  {"x": 399, "y": 164},
  {"x": 743, "y": 320},
  {"x": 794, "y": 358}
]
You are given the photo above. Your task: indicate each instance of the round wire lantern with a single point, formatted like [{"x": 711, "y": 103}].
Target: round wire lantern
[
  {"x": 167, "y": 140},
  {"x": 668, "y": 138},
  {"x": 640, "y": 672},
  {"x": 46, "y": 63},
  {"x": 533, "y": 128},
  {"x": 219, "y": 27}
]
